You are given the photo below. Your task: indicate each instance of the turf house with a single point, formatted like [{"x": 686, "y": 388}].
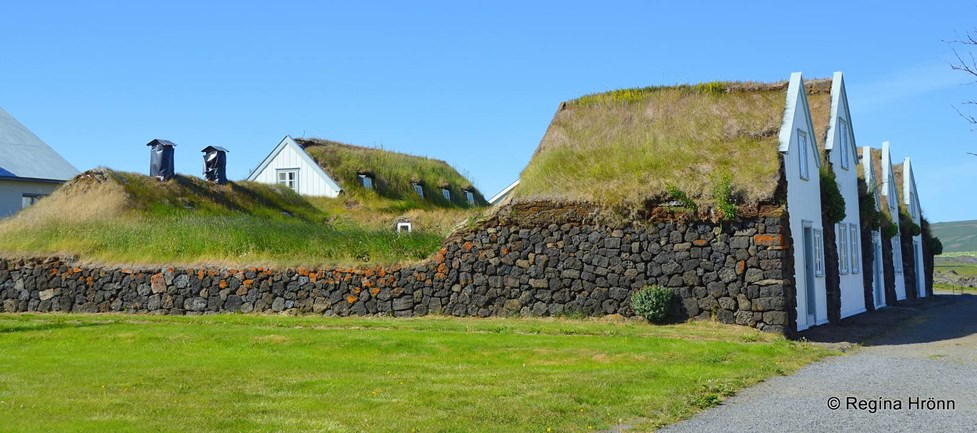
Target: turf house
[
  {"x": 876, "y": 255},
  {"x": 911, "y": 238},
  {"x": 832, "y": 120},
  {"x": 316, "y": 167}
]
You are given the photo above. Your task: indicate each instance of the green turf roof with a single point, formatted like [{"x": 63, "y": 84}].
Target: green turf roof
[
  {"x": 627, "y": 146},
  {"x": 394, "y": 173}
]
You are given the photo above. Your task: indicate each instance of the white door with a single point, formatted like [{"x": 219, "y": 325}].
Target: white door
[
  {"x": 878, "y": 282},
  {"x": 920, "y": 278},
  {"x": 809, "y": 286}
]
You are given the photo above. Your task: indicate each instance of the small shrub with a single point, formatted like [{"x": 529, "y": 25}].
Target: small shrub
[
  {"x": 832, "y": 202},
  {"x": 722, "y": 192},
  {"x": 889, "y": 228},
  {"x": 909, "y": 224},
  {"x": 652, "y": 303},
  {"x": 869, "y": 214}
]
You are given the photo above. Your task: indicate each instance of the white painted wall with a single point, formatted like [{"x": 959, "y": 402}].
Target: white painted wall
[
  {"x": 844, "y": 159},
  {"x": 911, "y": 200},
  {"x": 878, "y": 290},
  {"x": 803, "y": 197},
  {"x": 289, "y": 155},
  {"x": 12, "y": 192},
  {"x": 890, "y": 198}
]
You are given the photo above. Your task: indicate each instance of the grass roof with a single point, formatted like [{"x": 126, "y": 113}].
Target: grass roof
[
  {"x": 876, "y": 186},
  {"x": 819, "y": 102},
  {"x": 626, "y": 147},
  {"x": 115, "y": 217},
  {"x": 394, "y": 173}
]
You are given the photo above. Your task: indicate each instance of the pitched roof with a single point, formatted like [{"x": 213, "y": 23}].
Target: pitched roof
[
  {"x": 628, "y": 146},
  {"x": 394, "y": 173},
  {"x": 24, "y": 155}
]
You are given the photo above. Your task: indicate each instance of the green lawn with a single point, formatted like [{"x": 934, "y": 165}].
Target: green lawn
[{"x": 235, "y": 373}]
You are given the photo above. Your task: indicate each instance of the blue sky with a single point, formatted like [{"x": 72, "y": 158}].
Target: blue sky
[{"x": 473, "y": 83}]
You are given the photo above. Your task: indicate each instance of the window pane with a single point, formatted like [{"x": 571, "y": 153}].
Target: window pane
[
  {"x": 446, "y": 193},
  {"x": 470, "y": 197},
  {"x": 802, "y": 155},
  {"x": 855, "y": 253}
]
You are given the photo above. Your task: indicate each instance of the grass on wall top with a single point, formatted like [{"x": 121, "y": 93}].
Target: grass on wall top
[
  {"x": 626, "y": 147},
  {"x": 125, "y": 218},
  {"x": 394, "y": 174}
]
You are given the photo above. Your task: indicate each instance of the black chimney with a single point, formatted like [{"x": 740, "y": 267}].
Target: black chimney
[
  {"x": 161, "y": 159},
  {"x": 215, "y": 164}
]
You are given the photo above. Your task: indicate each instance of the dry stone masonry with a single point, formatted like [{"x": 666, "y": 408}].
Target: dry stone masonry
[{"x": 729, "y": 272}]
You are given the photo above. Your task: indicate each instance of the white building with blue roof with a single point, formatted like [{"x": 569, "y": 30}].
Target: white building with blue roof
[{"x": 29, "y": 168}]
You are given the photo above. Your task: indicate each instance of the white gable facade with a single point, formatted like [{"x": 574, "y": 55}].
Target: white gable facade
[
  {"x": 288, "y": 164},
  {"x": 890, "y": 198},
  {"x": 911, "y": 200},
  {"x": 29, "y": 168},
  {"x": 798, "y": 148},
  {"x": 841, "y": 151},
  {"x": 878, "y": 275}
]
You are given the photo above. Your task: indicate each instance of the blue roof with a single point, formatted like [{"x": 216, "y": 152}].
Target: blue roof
[{"x": 23, "y": 154}]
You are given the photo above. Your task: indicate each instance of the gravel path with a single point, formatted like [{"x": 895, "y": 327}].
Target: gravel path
[{"x": 931, "y": 355}]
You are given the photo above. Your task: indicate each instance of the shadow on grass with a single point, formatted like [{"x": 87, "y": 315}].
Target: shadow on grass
[{"x": 10, "y": 329}]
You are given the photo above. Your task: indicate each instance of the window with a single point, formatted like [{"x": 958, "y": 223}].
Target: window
[
  {"x": 28, "y": 200},
  {"x": 803, "y": 154},
  {"x": 818, "y": 253},
  {"x": 845, "y": 145},
  {"x": 419, "y": 189},
  {"x": 404, "y": 226},
  {"x": 446, "y": 193},
  {"x": 289, "y": 178},
  {"x": 842, "y": 231},
  {"x": 366, "y": 180},
  {"x": 896, "y": 255},
  {"x": 470, "y": 197},
  {"x": 893, "y": 204},
  {"x": 855, "y": 255}
]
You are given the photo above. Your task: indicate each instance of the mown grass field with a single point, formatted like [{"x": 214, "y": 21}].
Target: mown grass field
[{"x": 233, "y": 373}]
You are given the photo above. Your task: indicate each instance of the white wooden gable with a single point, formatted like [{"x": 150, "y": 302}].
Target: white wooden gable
[{"x": 288, "y": 156}]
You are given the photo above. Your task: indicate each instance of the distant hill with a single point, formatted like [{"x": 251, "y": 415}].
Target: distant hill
[{"x": 956, "y": 236}]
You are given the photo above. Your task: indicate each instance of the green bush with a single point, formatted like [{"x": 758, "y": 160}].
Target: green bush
[
  {"x": 722, "y": 192},
  {"x": 652, "y": 303},
  {"x": 907, "y": 221},
  {"x": 889, "y": 228},
  {"x": 832, "y": 201},
  {"x": 681, "y": 198},
  {"x": 869, "y": 214}
]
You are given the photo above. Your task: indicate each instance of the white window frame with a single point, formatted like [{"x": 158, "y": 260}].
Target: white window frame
[
  {"x": 818, "y": 253},
  {"x": 418, "y": 188},
  {"x": 856, "y": 257},
  {"x": 843, "y": 133},
  {"x": 294, "y": 172},
  {"x": 446, "y": 193},
  {"x": 803, "y": 157},
  {"x": 897, "y": 255},
  {"x": 366, "y": 181},
  {"x": 842, "y": 231},
  {"x": 27, "y": 199},
  {"x": 470, "y": 196}
]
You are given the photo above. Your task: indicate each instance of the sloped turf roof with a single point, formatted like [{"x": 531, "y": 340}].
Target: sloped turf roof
[
  {"x": 394, "y": 173},
  {"x": 627, "y": 146}
]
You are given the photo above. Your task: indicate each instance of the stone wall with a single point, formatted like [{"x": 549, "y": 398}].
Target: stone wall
[{"x": 731, "y": 272}]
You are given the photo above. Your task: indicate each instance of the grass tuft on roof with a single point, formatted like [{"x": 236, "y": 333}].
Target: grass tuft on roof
[{"x": 394, "y": 174}]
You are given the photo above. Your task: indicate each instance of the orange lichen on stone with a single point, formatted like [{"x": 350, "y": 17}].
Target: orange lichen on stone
[
  {"x": 367, "y": 283},
  {"x": 504, "y": 251},
  {"x": 222, "y": 284},
  {"x": 740, "y": 267},
  {"x": 351, "y": 299},
  {"x": 303, "y": 272},
  {"x": 442, "y": 268},
  {"x": 89, "y": 281},
  {"x": 700, "y": 242},
  {"x": 313, "y": 276},
  {"x": 374, "y": 291},
  {"x": 247, "y": 283},
  {"x": 467, "y": 246},
  {"x": 769, "y": 240},
  {"x": 357, "y": 290}
]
